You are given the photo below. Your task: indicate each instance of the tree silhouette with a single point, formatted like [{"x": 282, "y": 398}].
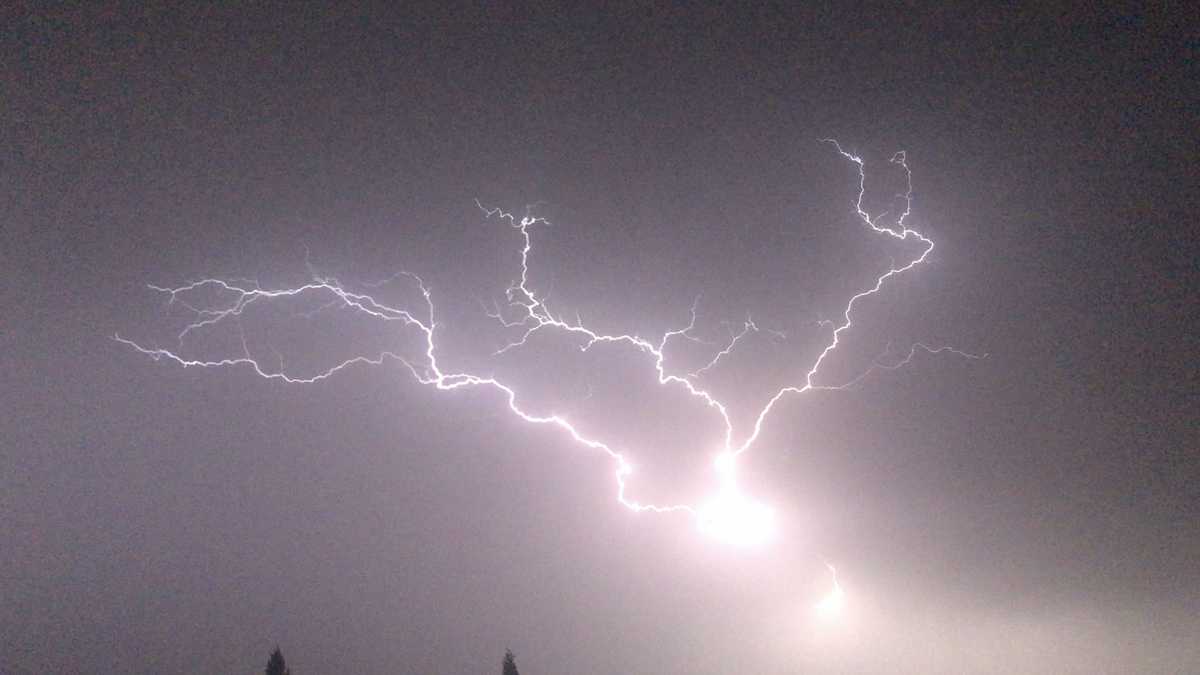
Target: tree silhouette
[
  {"x": 510, "y": 664},
  {"x": 276, "y": 666}
]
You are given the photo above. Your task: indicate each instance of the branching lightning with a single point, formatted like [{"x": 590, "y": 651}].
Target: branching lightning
[
  {"x": 834, "y": 600},
  {"x": 730, "y": 515}
]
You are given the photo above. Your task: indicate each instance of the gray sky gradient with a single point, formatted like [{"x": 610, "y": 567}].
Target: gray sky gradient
[{"x": 1036, "y": 511}]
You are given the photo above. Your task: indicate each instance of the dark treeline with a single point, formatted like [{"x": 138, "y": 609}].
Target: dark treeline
[{"x": 277, "y": 666}]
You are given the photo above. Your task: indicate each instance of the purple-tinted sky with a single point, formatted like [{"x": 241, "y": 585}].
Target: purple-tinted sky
[{"x": 1036, "y": 511}]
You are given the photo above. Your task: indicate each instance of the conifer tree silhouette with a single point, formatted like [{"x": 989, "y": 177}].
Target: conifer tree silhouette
[
  {"x": 510, "y": 664},
  {"x": 276, "y": 666}
]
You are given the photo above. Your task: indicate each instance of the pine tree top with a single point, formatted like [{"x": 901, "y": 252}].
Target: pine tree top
[
  {"x": 510, "y": 664},
  {"x": 276, "y": 665}
]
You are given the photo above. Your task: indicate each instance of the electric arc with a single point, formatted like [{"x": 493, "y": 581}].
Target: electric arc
[{"x": 730, "y": 515}]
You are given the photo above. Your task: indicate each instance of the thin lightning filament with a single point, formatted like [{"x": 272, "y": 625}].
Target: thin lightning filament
[{"x": 730, "y": 515}]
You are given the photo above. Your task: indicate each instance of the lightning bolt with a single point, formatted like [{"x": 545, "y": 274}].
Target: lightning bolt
[
  {"x": 834, "y": 600},
  {"x": 730, "y": 516}
]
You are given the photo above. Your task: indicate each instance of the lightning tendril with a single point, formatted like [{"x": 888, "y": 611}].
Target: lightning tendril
[{"x": 730, "y": 515}]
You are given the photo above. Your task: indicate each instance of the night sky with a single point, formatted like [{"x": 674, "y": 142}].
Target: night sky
[{"x": 1034, "y": 511}]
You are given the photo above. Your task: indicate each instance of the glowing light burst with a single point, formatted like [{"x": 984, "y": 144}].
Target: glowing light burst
[
  {"x": 730, "y": 516},
  {"x": 736, "y": 519},
  {"x": 835, "y": 600}
]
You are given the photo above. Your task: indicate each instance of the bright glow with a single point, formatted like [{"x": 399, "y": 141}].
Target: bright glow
[
  {"x": 733, "y": 519},
  {"x": 725, "y": 463},
  {"x": 834, "y": 601},
  {"x": 730, "y": 516}
]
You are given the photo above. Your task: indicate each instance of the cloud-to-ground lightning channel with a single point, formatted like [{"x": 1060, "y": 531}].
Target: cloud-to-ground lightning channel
[{"x": 730, "y": 515}]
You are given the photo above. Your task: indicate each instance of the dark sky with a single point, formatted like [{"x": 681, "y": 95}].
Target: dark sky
[{"x": 1035, "y": 511}]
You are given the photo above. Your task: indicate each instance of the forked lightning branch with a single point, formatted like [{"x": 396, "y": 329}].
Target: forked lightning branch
[{"x": 730, "y": 514}]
